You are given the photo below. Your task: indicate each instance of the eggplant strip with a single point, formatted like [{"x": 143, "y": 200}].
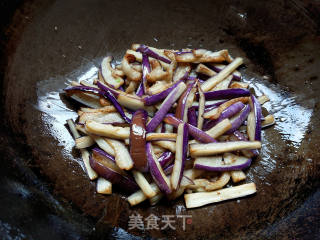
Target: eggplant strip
[
  {"x": 203, "y": 69},
  {"x": 107, "y": 130},
  {"x": 221, "y": 147},
  {"x": 180, "y": 156},
  {"x": 216, "y": 112},
  {"x": 84, "y": 142},
  {"x": 214, "y": 80},
  {"x": 219, "y": 67},
  {"x": 161, "y": 136},
  {"x": 263, "y": 99},
  {"x": 238, "y": 176},
  {"x": 220, "y": 128},
  {"x": 167, "y": 145},
  {"x": 193, "y": 131},
  {"x": 202, "y": 102},
  {"x": 84, "y": 153},
  {"x": 268, "y": 121},
  {"x": 129, "y": 71},
  {"x": 104, "y": 186},
  {"x": 122, "y": 155},
  {"x": 239, "y": 85},
  {"x": 109, "y": 75},
  {"x": 139, "y": 196},
  {"x": 143, "y": 184},
  {"x": 200, "y": 199}
]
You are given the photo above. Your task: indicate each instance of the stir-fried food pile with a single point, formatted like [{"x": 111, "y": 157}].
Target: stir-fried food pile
[{"x": 164, "y": 123}]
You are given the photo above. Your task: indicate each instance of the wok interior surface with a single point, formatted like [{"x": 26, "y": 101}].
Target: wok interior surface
[{"x": 51, "y": 43}]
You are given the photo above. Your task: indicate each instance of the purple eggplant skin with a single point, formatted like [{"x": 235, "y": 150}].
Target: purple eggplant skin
[
  {"x": 138, "y": 140},
  {"x": 165, "y": 107},
  {"x": 192, "y": 116},
  {"x": 103, "y": 153},
  {"x": 151, "y": 100},
  {"x": 183, "y": 101},
  {"x": 195, "y": 132},
  {"x": 140, "y": 90},
  {"x": 109, "y": 95},
  {"x": 121, "y": 88},
  {"x": 257, "y": 115},
  {"x": 156, "y": 172},
  {"x": 218, "y": 69},
  {"x": 123, "y": 182},
  {"x": 103, "y": 91},
  {"x": 166, "y": 158},
  {"x": 168, "y": 169},
  {"x": 182, "y": 52},
  {"x": 210, "y": 106},
  {"x": 227, "y": 113},
  {"x": 214, "y": 105},
  {"x": 145, "y": 70},
  {"x": 238, "y": 136},
  {"x": 222, "y": 167},
  {"x": 185, "y": 138},
  {"x": 104, "y": 87},
  {"x": 240, "y": 119},
  {"x": 147, "y": 51},
  {"x": 226, "y": 93}
]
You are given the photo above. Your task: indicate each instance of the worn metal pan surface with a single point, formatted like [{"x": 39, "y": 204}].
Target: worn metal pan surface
[{"x": 45, "y": 193}]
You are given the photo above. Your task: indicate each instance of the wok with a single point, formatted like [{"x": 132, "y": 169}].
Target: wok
[{"x": 45, "y": 194}]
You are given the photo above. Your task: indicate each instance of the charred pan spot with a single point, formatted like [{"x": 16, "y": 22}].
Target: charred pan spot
[
  {"x": 311, "y": 60},
  {"x": 313, "y": 78}
]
